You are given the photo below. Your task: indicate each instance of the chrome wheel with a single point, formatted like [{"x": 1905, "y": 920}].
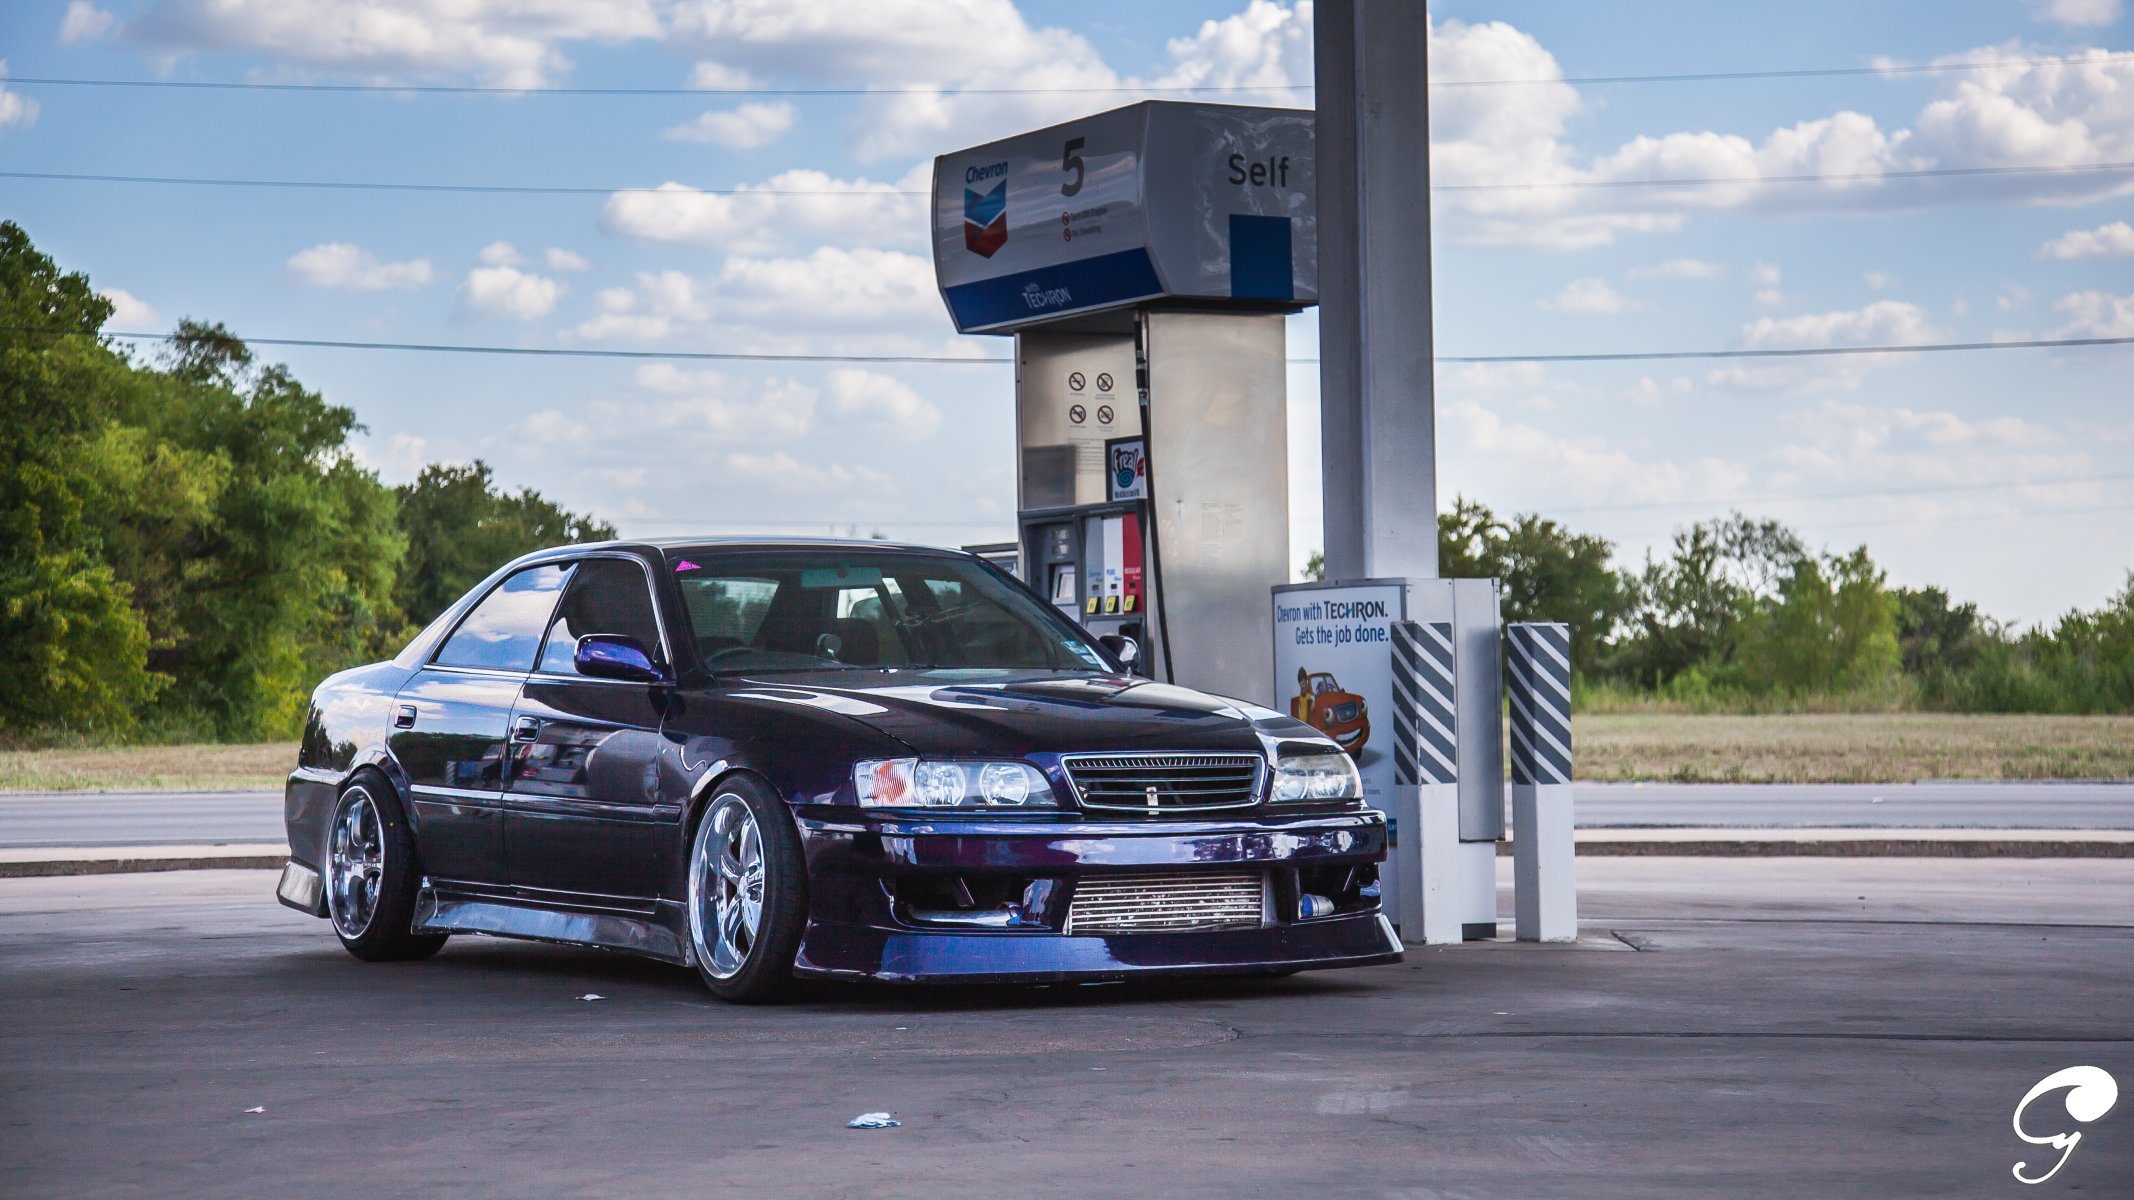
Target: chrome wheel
[
  {"x": 726, "y": 887},
  {"x": 356, "y": 864}
]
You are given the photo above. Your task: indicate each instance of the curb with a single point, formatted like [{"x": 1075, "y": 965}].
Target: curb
[
  {"x": 41, "y": 863},
  {"x": 46, "y": 868}
]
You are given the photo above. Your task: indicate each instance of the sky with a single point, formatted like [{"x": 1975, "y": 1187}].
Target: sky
[{"x": 2006, "y": 477}]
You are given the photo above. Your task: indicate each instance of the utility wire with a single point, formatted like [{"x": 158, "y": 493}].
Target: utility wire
[
  {"x": 1845, "y": 177},
  {"x": 1873, "y": 494},
  {"x": 978, "y": 360},
  {"x": 488, "y": 188},
  {"x": 950, "y": 89},
  {"x": 875, "y": 193}
]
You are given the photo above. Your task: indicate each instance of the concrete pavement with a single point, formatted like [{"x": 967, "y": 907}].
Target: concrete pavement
[{"x": 1795, "y": 1028}]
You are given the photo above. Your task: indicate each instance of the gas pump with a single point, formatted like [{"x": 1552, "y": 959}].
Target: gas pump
[{"x": 1143, "y": 260}]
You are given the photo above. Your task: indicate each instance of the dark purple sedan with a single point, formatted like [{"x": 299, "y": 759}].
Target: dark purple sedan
[{"x": 827, "y": 759}]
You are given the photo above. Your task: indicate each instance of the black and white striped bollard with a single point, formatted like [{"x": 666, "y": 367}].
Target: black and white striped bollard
[
  {"x": 1426, "y": 774},
  {"x": 1545, "y": 891}
]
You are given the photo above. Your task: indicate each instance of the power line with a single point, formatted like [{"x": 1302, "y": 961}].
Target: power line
[
  {"x": 487, "y": 188},
  {"x": 976, "y": 360},
  {"x": 875, "y": 193},
  {"x": 1793, "y": 352},
  {"x": 552, "y": 351},
  {"x": 1722, "y": 180},
  {"x": 950, "y": 89},
  {"x": 1879, "y": 493}
]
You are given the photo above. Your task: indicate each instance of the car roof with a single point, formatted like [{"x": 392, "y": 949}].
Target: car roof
[{"x": 735, "y": 542}]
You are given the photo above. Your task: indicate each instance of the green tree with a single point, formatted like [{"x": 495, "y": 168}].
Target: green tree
[
  {"x": 75, "y": 648},
  {"x": 290, "y": 574},
  {"x": 1549, "y": 572},
  {"x": 1831, "y": 630},
  {"x": 460, "y": 527}
]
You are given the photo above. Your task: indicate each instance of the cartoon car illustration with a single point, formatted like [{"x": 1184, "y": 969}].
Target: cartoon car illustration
[{"x": 1321, "y": 704}]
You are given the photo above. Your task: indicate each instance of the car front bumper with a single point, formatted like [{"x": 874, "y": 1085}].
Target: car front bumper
[{"x": 859, "y": 927}]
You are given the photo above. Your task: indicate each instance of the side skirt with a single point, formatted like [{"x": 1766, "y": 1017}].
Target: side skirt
[{"x": 659, "y": 933}]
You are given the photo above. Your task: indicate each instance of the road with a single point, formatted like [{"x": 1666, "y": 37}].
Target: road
[
  {"x": 1799, "y": 1027},
  {"x": 29, "y": 820}
]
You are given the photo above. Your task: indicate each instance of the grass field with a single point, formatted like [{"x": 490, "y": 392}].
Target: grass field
[
  {"x": 148, "y": 768},
  {"x": 1850, "y": 747},
  {"x": 1808, "y": 748}
]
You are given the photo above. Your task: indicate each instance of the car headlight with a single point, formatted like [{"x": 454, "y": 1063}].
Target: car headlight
[
  {"x": 1316, "y": 775},
  {"x": 920, "y": 783}
]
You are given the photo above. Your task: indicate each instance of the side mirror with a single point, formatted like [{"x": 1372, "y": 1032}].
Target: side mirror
[
  {"x": 615, "y": 656},
  {"x": 1123, "y": 648}
]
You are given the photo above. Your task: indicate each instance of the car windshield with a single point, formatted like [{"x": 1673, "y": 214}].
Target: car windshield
[{"x": 812, "y": 610}]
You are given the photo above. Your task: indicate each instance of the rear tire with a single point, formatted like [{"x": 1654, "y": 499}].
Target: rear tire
[
  {"x": 748, "y": 893},
  {"x": 372, "y": 873}
]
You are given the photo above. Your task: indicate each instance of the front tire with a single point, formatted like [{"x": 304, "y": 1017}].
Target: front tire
[
  {"x": 372, "y": 874},
  {"x": 748, "y": 899}
]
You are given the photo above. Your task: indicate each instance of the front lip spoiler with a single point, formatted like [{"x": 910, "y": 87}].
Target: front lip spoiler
[{"x": 947, "y": 957}]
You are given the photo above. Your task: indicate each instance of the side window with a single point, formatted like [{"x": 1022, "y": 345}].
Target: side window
[
  {"x": 609, "y": 595},
  {"x": 503, "y": 632}
]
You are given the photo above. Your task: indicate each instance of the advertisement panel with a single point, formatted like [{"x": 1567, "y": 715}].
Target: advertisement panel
[{"x": 1333, "y": 654}]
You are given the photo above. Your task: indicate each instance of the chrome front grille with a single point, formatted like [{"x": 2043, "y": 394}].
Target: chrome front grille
[
  {"x": 1168, "y": 902},
  {"x": 1164, "y": 783}
]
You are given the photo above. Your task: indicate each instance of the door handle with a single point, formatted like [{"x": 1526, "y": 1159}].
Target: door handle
[
  {"x": 404, "y": 717},
  {"x": 526, "y": 729}
]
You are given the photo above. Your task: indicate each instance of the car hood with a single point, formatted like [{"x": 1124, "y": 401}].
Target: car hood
[{"x": 1021, "y": 713}]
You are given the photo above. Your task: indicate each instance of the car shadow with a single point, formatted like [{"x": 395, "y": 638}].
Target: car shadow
[{"x": 505, "y": 961}]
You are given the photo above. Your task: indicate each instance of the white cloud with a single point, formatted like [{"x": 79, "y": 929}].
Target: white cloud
[
  {"x": 2081, "y": 14},
  {"x": 507, "y": 292},
  {"x": 399, "y": 459},
  {"x": 957, "y": 52},
  {"x": 785, "y": 473},
  {"x": 559, "y": 259},
  {"x": 856, "y": 288},
  {"x": 718, "y": 405},
  {"x": 15, "y": 109},
  {"x": 509, "y": 43},
  {"x": 341, "y": 265},
  {"x": 1591, "y": 296},
  {"x": 85, "y": 22},
  {"x": 1880, "y": 281},
  {"x": 499, "y": 254},
  {"x": 714, "y": 77},
  {"x": 879, "y": 399},
  {"x": 1843, "y": 442},
  {"x": 861, "y": 286},
  {"x": 1765, "y": 274},
  {"x": 128, "y": 311},
  {"x": 1580, "y": 468},
  {"x": 2115, "y": 240},
  {"x": 1883, "y": 323},
  {"x": 1651, "y": 393},
  {"x": 1678, "y": 268},
  {"x": 742, "y": 128},
  {"x": 2095, "y": 314},
  {"x": 788, "y": 207}
]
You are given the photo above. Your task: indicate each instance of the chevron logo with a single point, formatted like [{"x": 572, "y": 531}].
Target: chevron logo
[{"x": 985, "y": 219}]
